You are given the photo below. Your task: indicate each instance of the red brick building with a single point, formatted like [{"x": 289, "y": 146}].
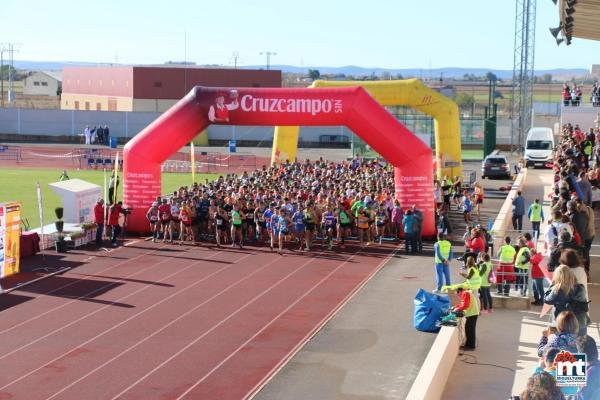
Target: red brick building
[{"x": 149, "y": 88}]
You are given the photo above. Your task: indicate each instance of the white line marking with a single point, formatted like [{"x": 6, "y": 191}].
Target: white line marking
[
  {"x": 261, "y": 294},
  {"x": 82, "y": 296},
  {"x": 275, "y": 370},
  {"x": 119, "y": 324},
  {"x": 3, "y": 356}
]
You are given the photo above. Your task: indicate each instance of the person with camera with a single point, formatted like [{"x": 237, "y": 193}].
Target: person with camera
[{"x": 114, "y": 212}]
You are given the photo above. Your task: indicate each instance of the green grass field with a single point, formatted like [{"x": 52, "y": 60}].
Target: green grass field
[
  {"x": 19, "y": 185},
  {"x": 472, "y": 154}
]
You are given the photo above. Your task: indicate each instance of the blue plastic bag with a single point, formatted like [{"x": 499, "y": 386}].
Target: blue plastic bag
[{"x": 429, "y": 308}]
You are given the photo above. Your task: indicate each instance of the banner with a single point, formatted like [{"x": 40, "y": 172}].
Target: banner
[
  {"x": 10, "y": 236},
  {"x": 352, "y": 107}
]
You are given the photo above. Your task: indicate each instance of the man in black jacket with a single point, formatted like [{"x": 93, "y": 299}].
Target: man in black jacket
[{"x": 566, "y": 242}]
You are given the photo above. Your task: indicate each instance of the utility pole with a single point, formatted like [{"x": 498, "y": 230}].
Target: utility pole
[
  {"x": 10, "y": 48},
  {"x": 268, "y": 54},
  {"x": 235, "y": 58}
]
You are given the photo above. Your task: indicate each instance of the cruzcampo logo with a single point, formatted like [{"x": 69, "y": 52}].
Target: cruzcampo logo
[{"x": 570, "y": 369}]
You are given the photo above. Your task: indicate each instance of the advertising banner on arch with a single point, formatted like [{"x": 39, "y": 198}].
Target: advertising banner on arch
[{"x": 10, "y": 235}]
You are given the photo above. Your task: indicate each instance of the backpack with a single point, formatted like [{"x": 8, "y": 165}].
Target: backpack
[{"x": 577, "y": 306}]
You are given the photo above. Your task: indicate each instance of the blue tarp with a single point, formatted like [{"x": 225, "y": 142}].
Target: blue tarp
[{"x": 429, "y": 308}]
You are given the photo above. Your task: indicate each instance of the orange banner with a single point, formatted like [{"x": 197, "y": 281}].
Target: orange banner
[{"x": 10, "y": 233}]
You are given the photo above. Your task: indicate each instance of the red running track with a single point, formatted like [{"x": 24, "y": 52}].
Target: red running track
[{"x": 150, "y": 321}]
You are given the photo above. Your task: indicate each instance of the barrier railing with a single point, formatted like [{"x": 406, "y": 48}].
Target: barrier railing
[
  {"x": 10, "y": 153},
  {"x": 507, "y": 280}
]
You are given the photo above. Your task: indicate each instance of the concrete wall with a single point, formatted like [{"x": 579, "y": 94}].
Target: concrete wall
[{"x": 40, "y": 84}]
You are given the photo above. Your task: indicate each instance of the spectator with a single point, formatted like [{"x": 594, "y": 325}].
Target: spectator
[
  {"x": 541, "y": 386},
  {"x": 537, "y": 277},
  {"x": 581, "y": 224},
  {"x": 591, "y": 229},
  {"x": 87, "y": 134},
  {"x": 64, "y": 176},
  {"x": 535, "y": 213},
  {"x": 522, "y": 265},
  {"x": 408, "y": 223},
  {"x": 565, "y": 336},
  {"x": 565, "y": 294},
  {"x": 566, "y": 94},
  {"x": 100, "y": 134},
  {"x": 418, "y": 227},
  {"x": 106, "y": 135},
  {"x": 485, "y": 267},
  {"x": 518, "y": 210},
  {"x": 587, "y": 345},
  {"x": 99, "y": 220},
  {"x": 114, "y": 213},
  {"x": 547, "y": 365}
]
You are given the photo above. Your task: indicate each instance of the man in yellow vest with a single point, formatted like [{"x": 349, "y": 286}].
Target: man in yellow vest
[
  {"x": 505, "y": 275},
  {"x": 522, "y": 266},
  {"x": 536, "y": 216},
  {"x": 443, "y": 255}
]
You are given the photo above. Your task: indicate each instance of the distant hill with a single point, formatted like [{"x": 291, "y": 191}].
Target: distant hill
[{"x": 449, "y": 72}]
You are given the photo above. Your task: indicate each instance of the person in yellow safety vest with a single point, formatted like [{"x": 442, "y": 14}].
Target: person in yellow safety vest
[
  {"x": 469, "y": 307},
  {"x": 443, "y": 255},
  {"x": 535, "y": 213},
  {"x": 505, "y": 270},
  {"x": 473, "y": 279},
  {"x": 485, "y": 267},
  {"x": 522, "y": 266}
]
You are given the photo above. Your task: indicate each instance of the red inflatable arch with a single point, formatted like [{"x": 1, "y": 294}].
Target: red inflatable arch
[{"x": 352, "y": 107}]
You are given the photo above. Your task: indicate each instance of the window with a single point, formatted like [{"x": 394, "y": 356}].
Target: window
[
  {"x": 36, "y": 83},
  {"x": 44, "y": 83},
  {"x": 98, "y": 107},
  {"x": 76, "y": 105},
  {"x": 539, "y": 145},
  {"x": 87, "y": 105}
]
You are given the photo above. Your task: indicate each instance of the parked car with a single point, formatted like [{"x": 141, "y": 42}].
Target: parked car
[{"x": 495, "y": 166}]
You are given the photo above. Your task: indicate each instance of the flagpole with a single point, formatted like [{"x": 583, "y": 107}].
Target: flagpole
[
  {"x": 193, "y": 162},
  {"x": 116, "y": 176},
  {"x": 106, "y": 200},
  {"x": 41, "y": 211}
]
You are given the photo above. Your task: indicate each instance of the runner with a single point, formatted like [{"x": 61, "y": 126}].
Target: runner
[
  {"x": 236, "y": 226},
  {"x": 152, "y": 217},
  {"x": 186, "y": 215},
  {"x": 344, "y": 228},
  {"x": 268, "y": 216},
  {"x": 381, "y": 219},
  {"x": 362, "y": 224},
  {"x": 329, "y": 222},
  {"x": 221, "y": 219},
  {"x": 281, "y": 228},
  {"x": 165, "y": 220},
  {"x": 309, "y": 220},
  {"x": 299, "y": 228}
]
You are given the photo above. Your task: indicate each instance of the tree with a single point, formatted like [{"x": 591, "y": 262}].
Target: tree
[
  {"x": 464, "y": 100},
  {"x": 314, "y": 74},
  {"x": 386, "y": 76},
  {"x": 490, "y": 76}
]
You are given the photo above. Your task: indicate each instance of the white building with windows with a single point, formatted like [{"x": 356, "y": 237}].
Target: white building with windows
[{"x": 43, "y": 83}]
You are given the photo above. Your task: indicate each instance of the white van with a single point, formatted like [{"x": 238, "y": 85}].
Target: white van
[{"x": 539, "y": 146}]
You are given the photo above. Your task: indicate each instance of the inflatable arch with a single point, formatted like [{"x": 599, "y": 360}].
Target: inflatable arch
[
  {"x": 351, "y": 106},
  {"x": 409, "y": 92}
]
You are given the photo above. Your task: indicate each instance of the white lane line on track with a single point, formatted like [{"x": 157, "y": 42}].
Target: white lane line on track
[
  {"x": 123, "y": 322},
  {"x": 3, "y": 356},
  {"x": 162, "y": 328},
  {"x": 289, "y": 307},
  {"x": 275, "y": 370},
  {"x": 84, "y": 295},
  {"x": 219, "y": 324}
]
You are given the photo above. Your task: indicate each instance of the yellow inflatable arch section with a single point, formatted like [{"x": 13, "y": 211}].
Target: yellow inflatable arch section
[{"x": 409, "y": 92}]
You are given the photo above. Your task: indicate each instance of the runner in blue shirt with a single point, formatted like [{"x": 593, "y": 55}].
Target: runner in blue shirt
[
  {"x": 300, "y": 229},
  {"x": 268, "y": 214},
  {"x": 329, "y": 222},
  {"x": 281, "y": 228}
]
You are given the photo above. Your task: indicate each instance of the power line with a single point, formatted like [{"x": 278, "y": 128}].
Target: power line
[
  {"x": 268, "y": 54},
  {"x": 10, "y": 48}
]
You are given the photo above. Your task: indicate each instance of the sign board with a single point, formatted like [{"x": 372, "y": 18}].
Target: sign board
[
  {"x": 79, "y": 198},
  {"x": 10, "y": 236}
]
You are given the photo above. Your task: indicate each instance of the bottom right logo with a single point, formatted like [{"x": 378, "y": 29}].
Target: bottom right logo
[{"x": 570, "y": 369}]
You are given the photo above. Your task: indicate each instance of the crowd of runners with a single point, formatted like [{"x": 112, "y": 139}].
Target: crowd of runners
[{"x": 293, "y": 205}]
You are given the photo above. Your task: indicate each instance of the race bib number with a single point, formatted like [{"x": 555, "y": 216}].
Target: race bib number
[{"x": 219, "y": 222}]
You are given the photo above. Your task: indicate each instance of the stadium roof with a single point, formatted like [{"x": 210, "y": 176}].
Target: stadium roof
[{"x": 580, "y": 19}]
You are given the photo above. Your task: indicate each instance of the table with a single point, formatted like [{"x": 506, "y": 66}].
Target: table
[{"x": 30, "y": 244}]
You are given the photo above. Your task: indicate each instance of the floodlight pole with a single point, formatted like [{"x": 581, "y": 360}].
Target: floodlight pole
[{"x": 521, "y": 114}]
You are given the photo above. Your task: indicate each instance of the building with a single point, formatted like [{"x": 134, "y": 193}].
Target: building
[
  {"x": 149, "y": 88},
  {"x": 42, "y": 83}
]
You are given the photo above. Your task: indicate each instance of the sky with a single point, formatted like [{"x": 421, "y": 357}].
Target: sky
[{"x": 374, "y": 33}]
